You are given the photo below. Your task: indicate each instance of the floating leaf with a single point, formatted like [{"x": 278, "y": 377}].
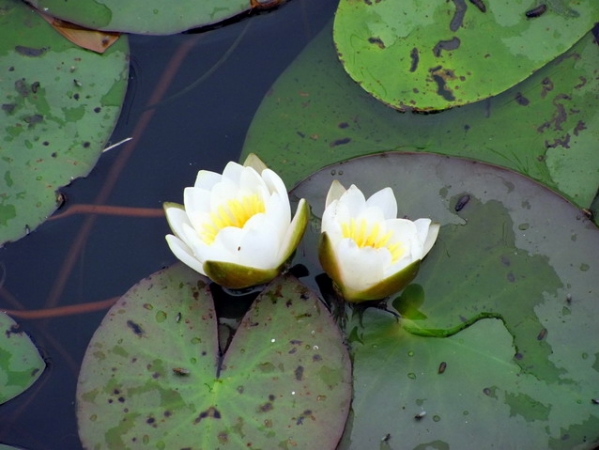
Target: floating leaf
[
  {"x": 152, "y": 374},
  {"x": 59, "y": 104},
  {"x": 431, "y": 55},
  {"x": 20, "y": 363},
  {"x": 546, "y": 127},
  {"x": 509, "y": 250},
  {"x": 149, "y": 17}
]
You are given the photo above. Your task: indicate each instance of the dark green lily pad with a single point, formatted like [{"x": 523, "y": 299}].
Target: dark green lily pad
[
  {"x": 430, "y": 55},
  {"x": 152, "y": 375},
  {"x": 506, "y": 298},
  {"x": 546, "y": 127},
  {"x": 20, "y": 362},
  {"x": 148, "y": 17},
  {"x": 58, "y": 106}
]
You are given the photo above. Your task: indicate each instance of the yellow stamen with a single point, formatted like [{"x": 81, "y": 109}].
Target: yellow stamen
[
  {"x": 371, "y": 235},
  {"x": 234, "y": 213}
]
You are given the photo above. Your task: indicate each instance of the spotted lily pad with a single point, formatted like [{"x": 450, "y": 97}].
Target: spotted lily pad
[
  {"x": 58, "y": 106},
  {"x": 431, "y": 55},
  {"x": 20, "y": 363},
  {"x": 149, "y": 17},
  {"x": 153, "y": 376},
  {"x": 506, "y": 299},
  {"x": 545, "y": 127}
]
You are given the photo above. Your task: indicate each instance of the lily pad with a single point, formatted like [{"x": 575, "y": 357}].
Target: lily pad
[
  {"x": 506, "y": 298},
  {"x": 430, "y": 55},
  {"x": 20, "y": 362},
  {"x": 153, "y": 375},
  {"x": 59, "y": 104},
  {"x": 149, "y": 17},
  {"x": 545, "y": 127}
]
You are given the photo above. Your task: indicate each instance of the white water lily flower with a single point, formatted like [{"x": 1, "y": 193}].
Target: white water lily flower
[
  {"x": 236, "y": 228},
  {"x": 366, "y": 250}
]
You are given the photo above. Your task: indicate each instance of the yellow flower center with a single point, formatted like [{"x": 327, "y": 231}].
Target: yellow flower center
[
  {"x": 365, "y": 235},
  {"x": 234, "y": 213}
]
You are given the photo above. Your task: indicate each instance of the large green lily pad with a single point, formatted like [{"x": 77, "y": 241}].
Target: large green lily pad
[
  {"x": 153, "y": 376},
  {"x": 148, "y": 17},
  {"x": 429, "y": 55},
  {"x": 546, "y": 127},
  {"x": 20, "y": 362},
  {"x": 506, "y": 298},
  {"x": 59, "y": 104}
]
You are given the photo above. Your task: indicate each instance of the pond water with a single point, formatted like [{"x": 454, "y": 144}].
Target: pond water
[{"x": 202, "y": 128}]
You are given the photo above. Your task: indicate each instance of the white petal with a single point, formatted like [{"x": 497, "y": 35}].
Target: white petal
[
  {"x": 422, "y": 230},
  {"x": 274, "y": 182},
  {"x": 334, "y": 215},
  {"x": 176, "y": 217},
  {"x": 183, "y": 253},
  {"x": 197, "y": 203},
  {"x": 385, "y": 200},
  {"x": 400, "y": 264},
  {"x": 335, "y": 192},
  {"x": 354, "y": 200},
  {"x": 207, "y": 179},
  {"x": 250, "y": 181},
  {"x": 258, "y": 250},
  {"x": 360, "y": 268},
  {"x": 295, "y": 231},
  {"x": 431, "y": 237},
  {"x": 233, "y": 172},
  {"x": 278, "y": 207},
  {"x": 405, "y": 232},
  {"x": 372, "y": 214}
]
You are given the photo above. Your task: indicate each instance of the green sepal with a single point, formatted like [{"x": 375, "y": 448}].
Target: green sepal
[{"x": 236, "y": 276}]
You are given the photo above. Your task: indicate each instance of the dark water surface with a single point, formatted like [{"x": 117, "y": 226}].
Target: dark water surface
[{"x": 201, "y": 129}]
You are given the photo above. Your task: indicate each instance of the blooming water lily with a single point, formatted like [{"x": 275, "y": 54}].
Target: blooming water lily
[
  {"x": 366, "y": 250},
  {"x": 236, "y": 228}
]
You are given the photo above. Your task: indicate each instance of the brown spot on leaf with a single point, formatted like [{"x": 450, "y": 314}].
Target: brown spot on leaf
[
  {"x": 265, "y": 407},
  {"x": 14, "y": 329},
  {"x": 583, "y": 82},
  {"x": 30, "y": 51},
  {"x": 579, "y": 127},
  {"x": 536, "y": 12},
  {"x": 8, "y": 107},
  {"x": 299, "y": 373},
  {"x": 479, "y": 4},
  {"x": 521, "y": 100},
  {"x": 415, "y": 59},
  {"x": 21, "y": 87},
  {"x": 562, "y": 142},
  {"x": 340, "y": 142},
  {"x": 377, "y": 41},
  {"x": 137, "y": 329},
  {"x": 458, "y": 16},
  {"x": 211, "y": 412},
  {"x": 34, "y": 119},
  {"x": 462, "y": 202},
  {"x": 546, "y": 86},
  {"x": 448, "y": 45}
]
